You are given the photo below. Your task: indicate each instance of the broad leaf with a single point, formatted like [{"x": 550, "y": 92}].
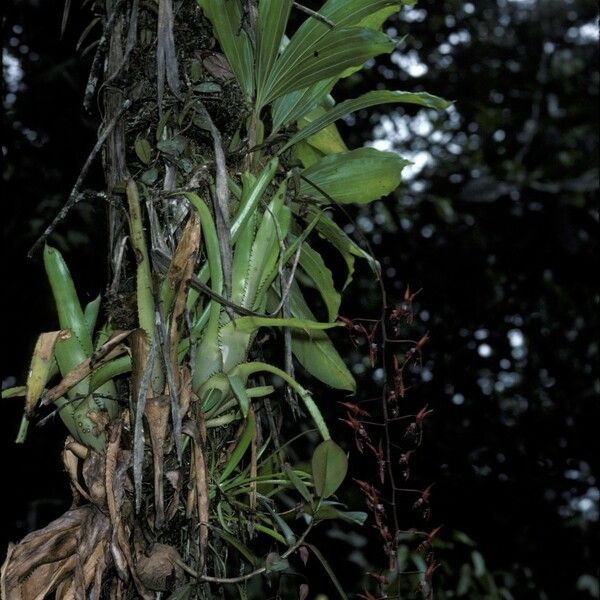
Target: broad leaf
[
  {"x": 359, "y": 176},
  {"x": 337, "y": 50},
  {"x": 307, "y": 155},
  {"x": 366, "y": 100},
  {"x": 329, "y": 468},
  {"x": 344, "y": 13},
  {"x": 314, "y": 350},
  {"x": 313, "y": 265},
  {"x": 329, "y": 510}
]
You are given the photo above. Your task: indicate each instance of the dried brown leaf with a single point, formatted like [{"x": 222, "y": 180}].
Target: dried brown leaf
[
  {"x": 111, "y": 349},
  {"x": 216, "y": 64}
]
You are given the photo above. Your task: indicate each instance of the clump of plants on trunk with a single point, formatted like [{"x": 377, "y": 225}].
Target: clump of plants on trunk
[{"x": 222, "y": 164}]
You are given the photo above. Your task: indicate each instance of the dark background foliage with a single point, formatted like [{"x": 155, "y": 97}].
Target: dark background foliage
[{"x": 497, "y": 222}]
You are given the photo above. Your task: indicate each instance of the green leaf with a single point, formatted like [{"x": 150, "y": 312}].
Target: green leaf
[
  {"x": 359, "y": 176},
  {"x": 249, "y": 368},
  {"x": 249, "y": 203},
  {"x": 209, "y": 360},
  {"x": 329, "y": 468},
  {"x": 196, "y": 70},
  {"x": 240, "y": 449},
  {"x": 73, "y": 347},
  {"x": 373, "y": 21},
  {"x": 149, "y": 176},
  {"x": 226, "y": 18},
  {"x": 143, "y": 150},
  {"x": 332, "y": 233},
  {"x": 90, "y": 314},
  {"x": 275, "y": 563},
  {"x": 208, "y": 87},
  {"x": 241, "y": 548},
  {"x": 144, "y": 281},
  {"x": 242, "y": 250},
  {"x": 329, "y": 511},
  {"x": 347, "y": 12},
  {"x": 328, "y": 140},
  {"x": 377, "y": 18},
  {"x": 307, "y": 155},
  {"x": 366, "y": 100},
  {"x": 235, "y": 336},
  {"x": 265, "y": 248},
  {"x": 314, "y": 350},
  {"x": 260, "y": 391},
  {"x": 344, "y": 13},
  {"x": 313, "y": 265},
  {"x": 326, "y": 566},
  {"x": 251, "y": 324},
  {"x": 239, "y": 391},
  {"x": 285, "y": 529},
  {"x": 464, "y": 581},
  {"x": 272, "y": 19},
  {"x": 267, "y": 530},
  {"x": 297, "y": 482},
  {"x": 174, "y": 146},
  {"x": 110, "y": 370},
  {"x": 70, "y": 315},
  {"x": 335, "y": 51},
  {"x": 291, "y": 107},
  {"x": 14, "y": 392},
  {"x": 246, "y": 211},
  {"x": 478, "y": 563}
]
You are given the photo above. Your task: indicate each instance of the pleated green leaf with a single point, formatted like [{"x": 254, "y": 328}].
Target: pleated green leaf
[
  {"x": 337, "y": 50},
  {"x": 270, "y": 26}
]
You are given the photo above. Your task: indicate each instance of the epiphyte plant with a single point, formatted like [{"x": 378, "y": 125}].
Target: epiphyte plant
[{"x": 222, "y": 162}]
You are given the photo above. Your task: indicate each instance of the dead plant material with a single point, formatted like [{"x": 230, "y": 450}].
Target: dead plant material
[
  {"x": 179, "y": 276},
  {"x": 71, "y": 456},
  {"x": 76, "y": 541},
  {"x": 197, "y": 433},
  {"x": 111, "y": 349},
  {"x": 160, "y": 570},
  {"x": 157, "y": 417}
]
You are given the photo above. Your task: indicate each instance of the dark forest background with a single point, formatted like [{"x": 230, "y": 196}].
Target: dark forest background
[{"x": 496, "y": 223}]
